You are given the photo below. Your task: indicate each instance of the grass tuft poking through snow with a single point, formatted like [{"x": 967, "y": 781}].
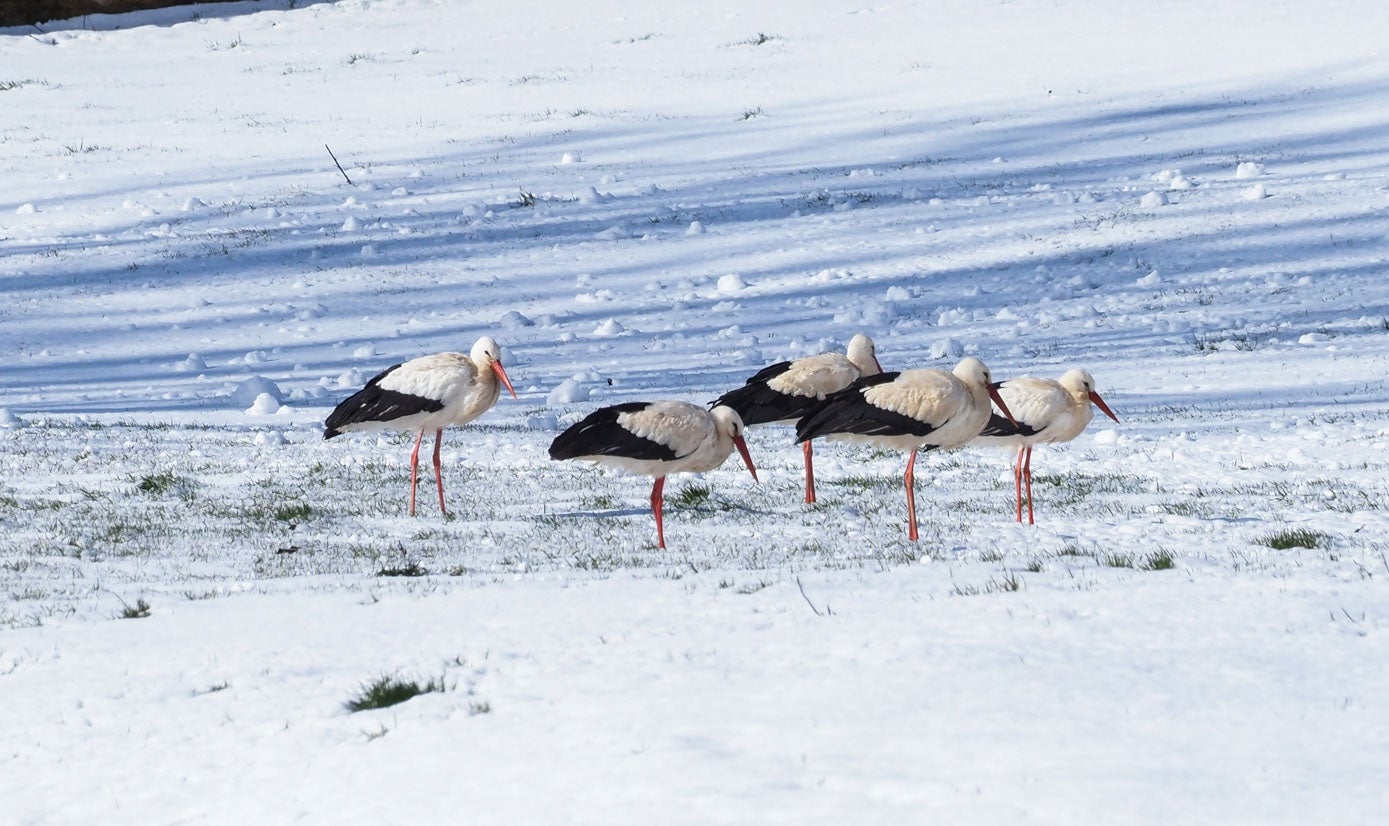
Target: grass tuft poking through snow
[
  {"x": 386, "y": 691},
  {"x": 1294, "y": 538}
]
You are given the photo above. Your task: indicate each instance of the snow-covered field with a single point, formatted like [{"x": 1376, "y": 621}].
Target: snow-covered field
[{"x": 652, "y": 201}]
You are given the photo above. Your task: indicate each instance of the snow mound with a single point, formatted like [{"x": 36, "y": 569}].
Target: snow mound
[
  {"x": 515, "y": 321},
  {"x": 696, "y": 228},
  {"x": 569, "y": 391},
  {"x": 611, "y": 327},
  {"x": 26, "y": 209},
  {"x": 271, "y": 438},
  {"x": 947, "y": 348},
  {"x": 8, "y": 419},
  {"x": 351, "y": 224},
  {"x": 1249, "y": 169},
  {"x": 571, "y": 157},
  {"x": 248, "y": 392},
  {"x": 193, "y": 364},
  {"x": 264, "y": 405},
  {"x": 1257, "y": 192},
  {"x": 366, "y": 351},
  {"x": 1153, "y": 200},
  {"x": 731, "y": 283}
]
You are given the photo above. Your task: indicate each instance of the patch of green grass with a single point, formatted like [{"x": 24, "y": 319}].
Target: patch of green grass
[
  {"x": 692, "y": 496},
  {"x": 139, "y": 610},
  {"x": 867, "y": 482},
  {"x": 293, "y": 513},
  {"x": 412, "y": 569},
  {"x": 1294, "y": 538},
  {"x": 386, "y": 691},
  {"x": 1116, "y": 560},
  {"x": 158, "y": 483},
  {"x": 1158, "y": 561}
]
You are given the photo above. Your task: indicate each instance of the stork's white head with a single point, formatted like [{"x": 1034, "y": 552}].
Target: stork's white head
[
  {"x": 1082, "y": 385},
  {"x": 971, "y": 370},
  {"x": 863, "y": 355},
  {"x": 487, "y": 355},
  {"x": 730, "y": 426}
]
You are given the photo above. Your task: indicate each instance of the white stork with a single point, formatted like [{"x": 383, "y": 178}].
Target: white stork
[
  {"x": 655, "y": 439},
  {"x": 788, "y": 390},
  {"x": 912, "y": 410},
  {"x": 1045, "y": 412},
  {"x": 422, "y": 394}
]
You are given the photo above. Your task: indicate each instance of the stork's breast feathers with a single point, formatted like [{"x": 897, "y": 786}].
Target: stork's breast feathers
[{"x": 1034, "y": 402}]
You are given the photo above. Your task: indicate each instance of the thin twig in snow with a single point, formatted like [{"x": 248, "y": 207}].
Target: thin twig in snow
[
  {"x": 335, "y": 160},
  {"x": 827, "y": 612}
]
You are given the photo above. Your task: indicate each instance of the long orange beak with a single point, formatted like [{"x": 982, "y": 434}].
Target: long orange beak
[
  {"x": 998, "y": 400},
  {"x": 501, "y": 374},
  {"x": 747, "y": 457},
  {"x": 1099, "y": 402}
]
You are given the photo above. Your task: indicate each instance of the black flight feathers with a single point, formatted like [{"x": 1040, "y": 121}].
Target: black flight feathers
[
  {"x": 599, "y": 434},
  {"x": 756, "y": 403},
  {"x": 848, "y": 411},
  {"x": 373, "y": 404},
  {"x": 1000, "y": 426}
]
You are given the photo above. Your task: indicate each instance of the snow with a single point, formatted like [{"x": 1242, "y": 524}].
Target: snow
[{"x": 655, "y": 201}]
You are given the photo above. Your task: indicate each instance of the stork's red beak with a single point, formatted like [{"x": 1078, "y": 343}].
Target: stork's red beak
[
  {"x": 998, "y": 400},
  {"x": 1099, "y": 402},
  {"x": 501, "y": 374},
  {"x": 747, "y": 457}
]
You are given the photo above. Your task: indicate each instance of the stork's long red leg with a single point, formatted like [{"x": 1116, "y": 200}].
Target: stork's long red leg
[
  {"x": 438, "y": 473},
  {"x": 1027, "y": 474},
  {"x": 809, "y": 474},
  {"x": 415, "y": 470},
  {"x": 1017, "y": 480},
  {"x": 910, "y": 479},
  {"x": 656, "y": 489}
]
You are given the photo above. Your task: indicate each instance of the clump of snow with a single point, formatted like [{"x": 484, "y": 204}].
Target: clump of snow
[
  {"x": 569, "y": 391},
  {"x": 1174, "y": 179},
  {"x": 1313, "y": 338},
  {"x": 1249, "y": 169},
  {"x": 264, "y": 405},
  {"x": 366, "y": 351},
  {"x": 351, "y": 224},
  {"x": 1153, "y": 200},
  {"x": 26, "y": 209},
  {"x": 193, "y": 204},
  {"x": 611, "y": 327},
  {"x": 731, "y": 283},
  {"x": 513, "y": 320},
  {"x": 695, "y": 228},
  {"x": 9, "y": 419},
  {"x": 248, "y": 392},
  {"x": 544, "y": 421},
  {"x": 590, "y": 196},
  {"x": 614, "y": 233},
  {"x": 193, "y": 364},
  {"x": 270, "y": 438},
  {"x": 947, "y": 348},
  {"x": 1257, "y": 192},
  {"x": 571, "y": 157}
]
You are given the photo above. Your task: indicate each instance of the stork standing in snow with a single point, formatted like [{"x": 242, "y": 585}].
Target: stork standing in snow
[
  {"x": 912, "y": 410},
  {"x": 1044, "y": 411},
  {"x": 788, "y": 390},
  {"x": 655, "y": 439},
  {"x": 423, "y": 394}
]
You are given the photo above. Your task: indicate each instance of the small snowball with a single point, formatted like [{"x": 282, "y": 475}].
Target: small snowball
[
  {"x": 351, "y": 224},
  {"x": 947, "y": 348},
  {"x": 1313, "y": 338},
  {"x": 568, "y": 391},
  {"x": 193, "y": 364},
  {"x": 731, "y": 283},
  {"x": 1108, "y": 436},
  {"x": 1249, "y": 169},
  {"x": 696, "y": 228},
  {"x": 1153, "y": 200},
  {"x": 366, "y": 351},
  {"x": 515, "y": 321},
  {"x": 611, "y": 327},
  {"x": 1257, "y": 192},
  {"x": 26, "y": 209},
  {"x": 264, "y": 405},
  {"x": 571, "y": 157},
  {"x": 9, "y": 419},
  {"x": 271, "y": 438},
  {"x": 193, "y": 204},
  {"x": 248, "y": 392}
]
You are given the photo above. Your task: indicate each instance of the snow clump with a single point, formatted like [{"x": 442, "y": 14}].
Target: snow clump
[
  {"x": 8, "y": 419},
  {"x": 611, "y": 327},
  {"x": 1257, "y": 192},
  {"x": 731, "y": 283},
  {"x": 1153, "y": 200},
  {"x": 569, "y": 391},
  {"x": 513, "y": 320},
  {"x": 193, "y": 364},
  {"x": 248, "y": 392},
  {"x": 264, "y": 405},
  {"x": 1249, "y": 169}
]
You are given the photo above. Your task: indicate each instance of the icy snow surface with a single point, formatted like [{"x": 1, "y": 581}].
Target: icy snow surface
[{"x": 647, "y": 201}]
